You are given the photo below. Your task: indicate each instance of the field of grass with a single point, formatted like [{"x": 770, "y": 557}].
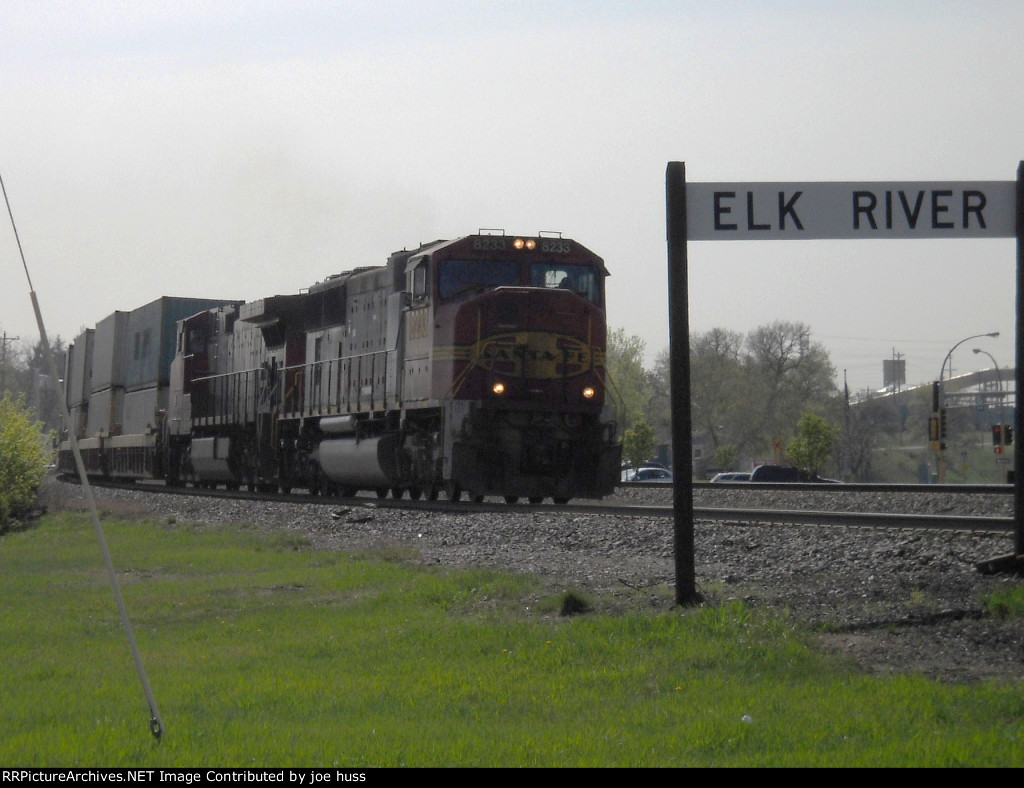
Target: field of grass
[
  {"x": 969, "y": 460},
  {"x": 262, "y": 652}
]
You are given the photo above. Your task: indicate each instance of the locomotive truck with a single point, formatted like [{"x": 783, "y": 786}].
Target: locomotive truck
[{"x": 470, "y": 366}]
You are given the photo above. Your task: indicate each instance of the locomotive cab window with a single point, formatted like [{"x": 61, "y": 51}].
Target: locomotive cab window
[
  {"x": 417, "y": 281},
  {"x": 464, "y": 276},
  {"x": 195, "y": 341},
  {"x": 580, "y": 279}
]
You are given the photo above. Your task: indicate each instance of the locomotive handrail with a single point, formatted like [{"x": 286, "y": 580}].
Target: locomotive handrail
[{"x": 339, "y": 396}]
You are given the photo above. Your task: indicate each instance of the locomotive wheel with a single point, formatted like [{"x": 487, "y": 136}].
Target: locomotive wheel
[
  {"x": 415, "y": 493},
  {"x": 561, "y": 501},
  {"x": 433, "y": 493},
  {"x": 452, "y": 491},
  {"x": 511, "y": 498},
  {"x": 382, "y": 493},
  {"x": 348, "y": 492},
  {"x": 536, "y": 499},
  {"x": 396, "y": 492}
]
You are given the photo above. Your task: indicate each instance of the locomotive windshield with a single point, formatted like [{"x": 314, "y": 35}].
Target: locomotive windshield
[
  {"x": 581, "y": 279},
  {"x": 460, "y": 276}
]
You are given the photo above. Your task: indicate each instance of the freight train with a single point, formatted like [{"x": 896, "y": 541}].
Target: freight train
[{"x": 473, "y": 366}]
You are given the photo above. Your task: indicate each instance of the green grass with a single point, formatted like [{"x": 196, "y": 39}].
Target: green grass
[
  {"x": 261, "y": 652},
  {"x": 969, "y": 459}
]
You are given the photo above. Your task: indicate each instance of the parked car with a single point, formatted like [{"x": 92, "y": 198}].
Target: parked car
[
  {"x": 779, "y": 473},
  {"x": 731, "y": 476},
  {"x": 628, "y": 471},
  {"x": 646, "y": 474}
]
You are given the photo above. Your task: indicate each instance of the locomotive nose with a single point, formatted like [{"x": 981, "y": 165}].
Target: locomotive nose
[{"x": 507, "y": 315}]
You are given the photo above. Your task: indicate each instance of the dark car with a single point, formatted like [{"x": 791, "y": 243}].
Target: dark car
[{"x": 780, "y": 473}]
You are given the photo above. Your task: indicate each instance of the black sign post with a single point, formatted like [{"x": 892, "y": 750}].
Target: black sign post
[
  {"x": 1018, "y": 413},
  {"x": 812, "y": 211},
  {"x": 679, "y": 382}
]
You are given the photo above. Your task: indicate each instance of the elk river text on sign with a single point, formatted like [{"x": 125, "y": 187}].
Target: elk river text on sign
[{"x": 810, "y": 211}]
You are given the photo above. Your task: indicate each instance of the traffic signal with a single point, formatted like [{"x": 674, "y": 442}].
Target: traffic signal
[
  {"x": 1002, "y": 434},
  {"x": 942, "y": 423}
]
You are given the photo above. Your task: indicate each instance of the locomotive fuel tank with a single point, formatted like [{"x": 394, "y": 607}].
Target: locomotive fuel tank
[{"x": 360, "y": 464}]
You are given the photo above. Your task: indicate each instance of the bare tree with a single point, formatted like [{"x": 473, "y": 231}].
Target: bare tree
[{"x": 786, "y": 375}]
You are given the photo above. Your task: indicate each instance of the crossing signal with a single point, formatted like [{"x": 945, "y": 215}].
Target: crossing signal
[{"x": 997, "y": 434}]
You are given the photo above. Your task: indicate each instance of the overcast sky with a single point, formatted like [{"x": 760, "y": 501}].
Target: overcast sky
[{"x": 245, "y": 149}]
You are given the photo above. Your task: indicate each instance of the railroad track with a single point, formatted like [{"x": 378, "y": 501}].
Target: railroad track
[{"x": 744, "y": 516}]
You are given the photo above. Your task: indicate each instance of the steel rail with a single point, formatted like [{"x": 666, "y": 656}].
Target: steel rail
[
  {"x": 804, "y": 517},
  {"x": 859, "y": 519},
  {"x": 744, "y": 516},
  {"x": 935, "y": 489}
]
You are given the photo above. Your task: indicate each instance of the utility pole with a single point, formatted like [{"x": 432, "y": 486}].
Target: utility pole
[
  {"x": 896, "y": 379},
  {"x": 3, "y": 361}
]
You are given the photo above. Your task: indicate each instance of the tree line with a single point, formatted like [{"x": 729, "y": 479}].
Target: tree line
[
  {"x": 25, "y": 376},
  {"x": 768, "y": 396},
  {"x": 29, "y": 420}
]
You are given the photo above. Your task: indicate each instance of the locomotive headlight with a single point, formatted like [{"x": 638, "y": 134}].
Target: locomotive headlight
[
  {"x": 525, "y": 243},
  {"x": 498, "y": 388},
  {"x": 588, "y": 392}
]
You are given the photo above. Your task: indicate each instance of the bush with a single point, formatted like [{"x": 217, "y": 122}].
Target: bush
[
  {"x": 812, "y": 447},
  {"x": 23, "y": 460},
  {"x": 638, "y": 443}
]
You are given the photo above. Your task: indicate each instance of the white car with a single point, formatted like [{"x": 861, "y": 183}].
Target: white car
[
  {"x": 649, "y": 475},
  {"x": 731, "y": 476}
]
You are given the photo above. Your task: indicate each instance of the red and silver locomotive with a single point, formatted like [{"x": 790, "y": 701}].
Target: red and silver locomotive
[{"x": 474, "y": 366}]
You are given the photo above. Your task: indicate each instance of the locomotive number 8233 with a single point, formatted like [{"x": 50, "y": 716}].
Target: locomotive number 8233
[{"x": 470, "y": 366}]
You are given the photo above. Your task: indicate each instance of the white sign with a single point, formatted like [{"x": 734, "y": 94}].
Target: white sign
[{"x": 811, "y": 211}]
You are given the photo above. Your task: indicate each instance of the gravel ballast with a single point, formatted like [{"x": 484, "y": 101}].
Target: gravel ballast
[{"x": 895, "y": 601}]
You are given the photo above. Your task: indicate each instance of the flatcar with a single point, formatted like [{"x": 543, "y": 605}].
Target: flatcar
[{"x": 470, "y": 366}]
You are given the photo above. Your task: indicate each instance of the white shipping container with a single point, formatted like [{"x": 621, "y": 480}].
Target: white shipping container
[
  {"x": 108, "y": 352},
  {"x": 141, "y": 408},
  {"x": 105, "y": 408},
  {"x": 78, "y": 373}
]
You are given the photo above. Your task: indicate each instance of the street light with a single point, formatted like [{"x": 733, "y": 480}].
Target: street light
[
  {"x": 949, "y": 355},
  {"x": 999, "y": 379},
  {"x": 942, "y": 399}
]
